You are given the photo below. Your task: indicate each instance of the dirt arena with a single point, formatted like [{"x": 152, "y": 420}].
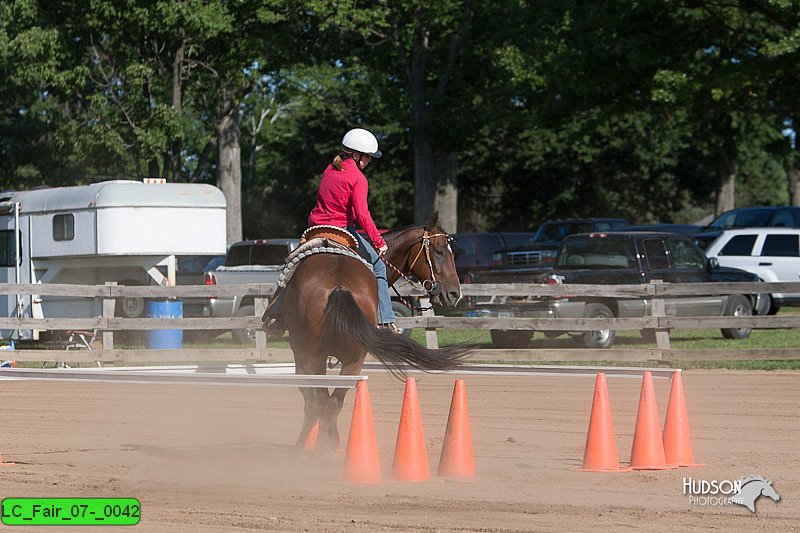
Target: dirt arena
[{"x": 212, "y": 458}]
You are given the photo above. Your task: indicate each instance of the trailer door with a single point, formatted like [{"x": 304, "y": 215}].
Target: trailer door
[{"x": 11, "y": 262}]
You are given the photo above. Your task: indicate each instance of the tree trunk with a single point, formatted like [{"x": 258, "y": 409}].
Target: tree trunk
[
  {"x": 424, "y": 189},
  {"x": 726, "y": 199},
  {"x": 446, "y": 201},
  {"x": 177, "y": 103},
  {"x": 794, "y": 172},
  {"x": 230, "y": 170},
  {"x": 794, "y": 186},
  {"x": 424, "y": 181},
  {"x": 435, "y": 183}
]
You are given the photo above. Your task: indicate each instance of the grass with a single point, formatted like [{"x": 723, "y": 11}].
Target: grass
[{"x": 679, "y": 339}]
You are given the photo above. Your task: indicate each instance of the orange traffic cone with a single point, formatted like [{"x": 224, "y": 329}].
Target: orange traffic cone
[
  {"x": 677, "y": 441},
  {"x": 410, "y": 456},
  {"x": 362, "y": 464},
  {"x": 647, "y": 452},
  {"x": 457, "y": 460},
  {"x": 311, "y": 441},
  {"x": 600, "y": 454}
]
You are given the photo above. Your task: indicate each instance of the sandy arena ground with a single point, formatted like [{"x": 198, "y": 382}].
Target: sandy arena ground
[{"x": 210, "y": 458}]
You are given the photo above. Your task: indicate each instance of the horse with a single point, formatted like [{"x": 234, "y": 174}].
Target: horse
[
  {"x": 752, "y": 487},
  {"x": 330, "y": 310}
]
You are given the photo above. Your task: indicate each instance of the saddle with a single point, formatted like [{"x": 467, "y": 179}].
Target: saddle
[
  {"x": 315, "y": 240},
  {"x": 321, "y": 240},
  {"x": 332, "y": 233}
]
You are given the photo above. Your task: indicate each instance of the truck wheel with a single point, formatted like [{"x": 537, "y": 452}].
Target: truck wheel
[
  {"x": 738, "y": 305},
  {"x": 247, "y": 335},
  {"x": 764, "y": 305},
  {"x": 131, "y": 307},
  {"x": 401, "y": 309},
  {"x": 601, "y": 338},
  {"x": 510, "y": 338}
]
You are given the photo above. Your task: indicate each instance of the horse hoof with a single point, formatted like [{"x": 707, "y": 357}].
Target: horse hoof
[{"x": 295, "y": 453}]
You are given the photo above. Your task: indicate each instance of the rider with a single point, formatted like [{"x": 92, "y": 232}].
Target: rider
[{"x": 342, "y": 202}]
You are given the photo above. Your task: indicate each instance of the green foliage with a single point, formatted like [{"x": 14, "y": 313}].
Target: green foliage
[{"x": 554, "y": 109}]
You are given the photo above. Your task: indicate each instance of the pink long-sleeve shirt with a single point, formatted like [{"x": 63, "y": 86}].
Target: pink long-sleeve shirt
[{"x": 342, "y": 201}]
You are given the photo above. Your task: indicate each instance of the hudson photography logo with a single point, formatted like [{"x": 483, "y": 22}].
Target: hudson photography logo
[{"x": 743, "y": 491}]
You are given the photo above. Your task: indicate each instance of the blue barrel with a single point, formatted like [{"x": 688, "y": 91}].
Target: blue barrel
[{"x": 165, "y": 339}]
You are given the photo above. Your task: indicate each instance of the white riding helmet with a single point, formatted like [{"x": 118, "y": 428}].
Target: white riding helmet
[{"x": 362, "y": 141}]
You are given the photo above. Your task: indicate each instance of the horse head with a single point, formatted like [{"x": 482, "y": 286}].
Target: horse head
[
  {"x": 768, "y": 491},
  {"x": 425, "y": 253},
  {"x": 752, "y": 487}
]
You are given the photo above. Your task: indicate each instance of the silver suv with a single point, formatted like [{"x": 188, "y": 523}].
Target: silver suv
[{"x": 773, "y": 254}]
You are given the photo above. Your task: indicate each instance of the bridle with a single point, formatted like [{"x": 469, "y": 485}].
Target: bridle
[{"x": 432, "y": 286}]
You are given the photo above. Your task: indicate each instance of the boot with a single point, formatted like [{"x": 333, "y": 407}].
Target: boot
[
  {"x": 272, "y": 321},
  {"x": 391, "y": 326}
]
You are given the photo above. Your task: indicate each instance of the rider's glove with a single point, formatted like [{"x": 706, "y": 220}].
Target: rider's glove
[{"x": 382, "y": 250}]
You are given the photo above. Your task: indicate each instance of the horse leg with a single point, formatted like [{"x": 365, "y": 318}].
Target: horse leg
[
  {"x": 333, "y": 406},
  {"x": 311, "y": 413},
  {"x": 314, "y": 399}
]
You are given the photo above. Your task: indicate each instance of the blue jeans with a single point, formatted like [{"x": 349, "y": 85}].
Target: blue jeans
[{"x": 385, "y": 312}]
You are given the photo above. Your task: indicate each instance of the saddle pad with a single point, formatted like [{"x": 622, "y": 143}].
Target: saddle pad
[{"x": 318, "y": 245}]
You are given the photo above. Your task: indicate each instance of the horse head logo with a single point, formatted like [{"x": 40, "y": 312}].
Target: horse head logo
[{"x": 751, "y": 488}]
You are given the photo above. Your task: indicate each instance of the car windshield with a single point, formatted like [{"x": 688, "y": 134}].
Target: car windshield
[
  {"x": 256, "y": 254},
  {"x": 517, "y": 239},
  {"x": 594, "y": 252},
  {"x": 559, "y": 230},
  {"x": 742, "y": 219}
]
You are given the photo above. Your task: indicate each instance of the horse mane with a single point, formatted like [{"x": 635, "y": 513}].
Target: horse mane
[
  {"x": 747, "y": 479},
  {"x": 432, "y": 222}
]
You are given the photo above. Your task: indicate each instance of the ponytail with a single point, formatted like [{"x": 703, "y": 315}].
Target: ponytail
[{"x": 337, "y": 161}]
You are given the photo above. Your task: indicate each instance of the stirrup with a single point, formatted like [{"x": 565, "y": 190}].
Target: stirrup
[
  {"x": 274, "y": 327},
  {"x": 391, "y": 326}
]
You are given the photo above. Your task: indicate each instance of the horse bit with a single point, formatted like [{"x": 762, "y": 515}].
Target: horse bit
[{"x": 432, "y": 286}]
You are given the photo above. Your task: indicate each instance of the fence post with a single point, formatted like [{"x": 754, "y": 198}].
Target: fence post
[
  {"x": 431, "y": 338},
  {"x": 260, "y": 303},
  {"x": 658, "y": 309},
  {"x": 109, "y": 305}
]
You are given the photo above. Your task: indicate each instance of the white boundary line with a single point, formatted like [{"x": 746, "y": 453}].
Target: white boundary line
[
  {"x": 129, "y": 376},
  {"x": 282, "y": 374},
  {"x": 543, "y": 370}
]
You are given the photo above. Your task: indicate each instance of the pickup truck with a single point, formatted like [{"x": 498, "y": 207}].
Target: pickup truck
[
  {"x": 250, "y": 261},
  {"x": 541, "y": 251},
  {"x": 261, "y": 261},
  {"x": 617, "y": 258}
]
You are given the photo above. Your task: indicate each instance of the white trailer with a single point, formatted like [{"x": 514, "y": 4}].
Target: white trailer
[{"x": 122, "y": 231}]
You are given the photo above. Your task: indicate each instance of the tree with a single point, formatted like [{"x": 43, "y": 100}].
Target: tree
[
  {"x": 150, "y": 88},
  {"x": 417, "y": 48}
]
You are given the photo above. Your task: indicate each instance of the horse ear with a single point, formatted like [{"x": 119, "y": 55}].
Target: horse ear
[{"x": 433, "y": 220}]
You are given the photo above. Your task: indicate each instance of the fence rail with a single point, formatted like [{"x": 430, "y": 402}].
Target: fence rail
[{"x": 110, "y": 294}]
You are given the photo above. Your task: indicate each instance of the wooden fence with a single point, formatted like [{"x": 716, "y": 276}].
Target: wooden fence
[{"x": 107, "y": 323}]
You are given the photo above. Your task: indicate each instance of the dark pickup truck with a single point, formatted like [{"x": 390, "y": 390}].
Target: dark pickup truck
[
  {"x": 540, "y": 252},
  {"x": 627, "y": 258}
]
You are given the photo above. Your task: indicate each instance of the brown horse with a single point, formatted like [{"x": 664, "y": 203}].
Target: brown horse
[{"x": 330, "y": 309}]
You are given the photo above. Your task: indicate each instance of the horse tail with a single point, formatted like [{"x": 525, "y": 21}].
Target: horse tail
[{"x": 343, "y": 323}]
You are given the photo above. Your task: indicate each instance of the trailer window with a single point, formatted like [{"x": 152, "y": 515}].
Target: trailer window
[
  {"x": 64, "y": 227},
  {"x": 7, "y": 248}
]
